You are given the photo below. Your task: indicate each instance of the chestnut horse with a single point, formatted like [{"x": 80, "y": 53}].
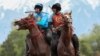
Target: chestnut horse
[
  {"x": 74, "y": 38},
  {"x": 65, "y": 46},
  {"x": 36, "y": 45}
]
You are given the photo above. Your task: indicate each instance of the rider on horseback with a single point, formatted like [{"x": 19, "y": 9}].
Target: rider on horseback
[
  {"x": 42, "y": 20},
  {"x": 41, "y": 17},
  {"x": 57, "y": 22},
  {"x": 57, "y": 18}
]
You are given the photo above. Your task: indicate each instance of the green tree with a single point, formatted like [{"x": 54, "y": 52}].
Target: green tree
[
  {"x": 90, "y": 43},
  {"x": 15, "y": 44}
]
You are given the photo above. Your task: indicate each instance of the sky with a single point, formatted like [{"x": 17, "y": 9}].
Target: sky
[{"x": 85, "y": 13}]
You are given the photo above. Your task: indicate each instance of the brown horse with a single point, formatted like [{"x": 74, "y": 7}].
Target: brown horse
[
  {"x": 36, "y": 45},
  {"x": 65, "y": 46},
  {"x": 75, "y": 39}
]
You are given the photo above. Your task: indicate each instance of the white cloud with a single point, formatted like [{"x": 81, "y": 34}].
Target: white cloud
[
  {"x": 39, "y": 1},
  {"x": 57, "y": 1},
  {"x": 12, "y": 4},
  {"x": 94, "y": 3},
  {"x": 66, "y": 5},
  {"x": 17, "y": 4},
  {"x": 2, "y": 16}
]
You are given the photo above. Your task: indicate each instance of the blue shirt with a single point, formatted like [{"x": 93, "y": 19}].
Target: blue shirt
[{"x": 41, "y": 19}]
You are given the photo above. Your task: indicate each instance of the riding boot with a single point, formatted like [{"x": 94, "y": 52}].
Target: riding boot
[
  {"x": 54, "y": 43},
  {"x": 75, "y": 42},
  {"x": 48, "y": 36}
]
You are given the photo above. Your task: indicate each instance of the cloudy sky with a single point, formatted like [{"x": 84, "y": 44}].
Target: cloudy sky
[{"x": 85, "y": 13}]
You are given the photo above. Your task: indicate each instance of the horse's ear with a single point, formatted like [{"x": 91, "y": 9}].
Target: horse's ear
[
  {"x": 30, "y": 16},
  {"x": 70, "y": 12}
]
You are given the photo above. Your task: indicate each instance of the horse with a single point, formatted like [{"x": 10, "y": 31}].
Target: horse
[
  {"x": 65, "y": 46},
  {"x": 75, "y": 39},
  {"x": 35, "y": 43}
]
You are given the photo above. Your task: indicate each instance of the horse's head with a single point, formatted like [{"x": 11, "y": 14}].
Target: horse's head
[
  {"x": 67, "y": 19},
  {"x": 25, "y": 23}
]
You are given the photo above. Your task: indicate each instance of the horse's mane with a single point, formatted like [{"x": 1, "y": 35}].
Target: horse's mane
[{"x": 29, "y": 21}]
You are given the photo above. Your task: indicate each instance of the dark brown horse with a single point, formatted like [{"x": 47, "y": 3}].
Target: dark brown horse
[
  {"x": 36, "y": 45},
  {"x": 65, "y": 46}
]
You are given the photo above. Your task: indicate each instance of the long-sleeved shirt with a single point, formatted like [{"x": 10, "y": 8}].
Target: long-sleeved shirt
[
  {"x": 57, "y": 20},
  {"x": 41, "y": 19}
]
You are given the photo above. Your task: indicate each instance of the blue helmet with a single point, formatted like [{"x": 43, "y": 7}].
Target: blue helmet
[{"x": 39, "y": 5}]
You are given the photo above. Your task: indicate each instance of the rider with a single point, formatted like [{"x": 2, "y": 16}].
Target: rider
[
  {"x": 57, "y": 18},
  {"x": 57, "y": 22},
  {"x": 42, "y": 19}
]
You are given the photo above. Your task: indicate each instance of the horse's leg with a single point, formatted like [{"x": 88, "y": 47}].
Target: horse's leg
[
  {"x": 45, "y": 51},
  {"x": 75, "y": 42},
  {"x": 29, "y": 46},
  {"x": 48, "y": 53}
]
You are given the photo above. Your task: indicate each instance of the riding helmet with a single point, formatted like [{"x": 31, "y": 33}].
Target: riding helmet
[
  {"x": 57, "y": 6},
  {"x": 39, "y": 5}
]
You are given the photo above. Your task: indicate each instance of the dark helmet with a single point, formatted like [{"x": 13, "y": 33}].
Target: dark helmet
[
  {"x": 57, "y": 6},
  {"x": 39, "y": 5}
]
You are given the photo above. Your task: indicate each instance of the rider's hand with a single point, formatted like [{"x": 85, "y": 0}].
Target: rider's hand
[{"x": 54, "y": 29}]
